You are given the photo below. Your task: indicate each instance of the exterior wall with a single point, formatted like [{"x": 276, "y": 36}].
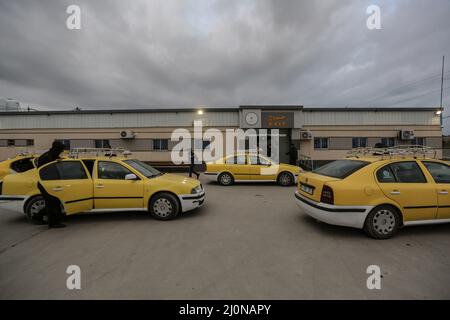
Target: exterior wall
[
  {"x": 141, "y": 146},
  {"x": 83, "y": 128},
  {"x": 340, "y": 138}
]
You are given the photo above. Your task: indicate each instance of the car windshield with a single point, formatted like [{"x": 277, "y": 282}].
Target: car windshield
[
  {"x": 143, "y": 168},
  {"x": 340, "y": 168}
]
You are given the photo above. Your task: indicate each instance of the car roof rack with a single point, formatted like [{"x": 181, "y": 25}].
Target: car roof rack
[
  {"x": 107, "y": 152},
  {"x": 401, "y": 151}
]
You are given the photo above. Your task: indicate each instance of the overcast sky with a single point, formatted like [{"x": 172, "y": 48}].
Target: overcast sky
[{"x": 223, "y": 53}]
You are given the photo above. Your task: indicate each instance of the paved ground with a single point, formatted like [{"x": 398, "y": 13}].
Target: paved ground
[{"x": 248, "y": 242}]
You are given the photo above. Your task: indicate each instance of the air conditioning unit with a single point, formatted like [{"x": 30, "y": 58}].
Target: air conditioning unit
[
  {"x": 407, "y": 135},
  {"x": 127, "y": 134},
  {"x": 306, "y": 135}
]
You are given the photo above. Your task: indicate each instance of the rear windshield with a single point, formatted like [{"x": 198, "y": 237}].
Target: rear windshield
[{"x": 340, "y": 168}]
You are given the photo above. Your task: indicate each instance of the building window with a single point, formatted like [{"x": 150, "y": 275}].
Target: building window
[
  {"x": 103, "y": 144},
  {"x": 359, "y": 142},
  {"x": 388, "y": 142},
  {"x": 66, "y": 144},
  {"x": 20, "y": 143},
  {"x": 418, "y": 141},
  {"x": 320, "y": 143},
  {"x": 11, "y": 142},
  {"x": 30, "y": 142},
  {"x": 160, "y": 144}
]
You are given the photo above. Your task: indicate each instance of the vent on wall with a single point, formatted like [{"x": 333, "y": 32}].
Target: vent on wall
[
  {"x": 127, "y": 134},
  {"x": 407, "y": 135},
  {"x": 306, "y": 135}
]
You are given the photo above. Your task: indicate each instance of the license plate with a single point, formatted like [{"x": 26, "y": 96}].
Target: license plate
[{"x": 306, "y": 189}]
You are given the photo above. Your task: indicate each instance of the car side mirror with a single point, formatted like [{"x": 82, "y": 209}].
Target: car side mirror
[{"x": 131, "y": 176}]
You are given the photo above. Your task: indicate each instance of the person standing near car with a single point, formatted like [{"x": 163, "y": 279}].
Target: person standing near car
[
  {"x": 193, "y": 159},
  {"x": 52, "y": 204},
  {"x": 293, "y": 154}
]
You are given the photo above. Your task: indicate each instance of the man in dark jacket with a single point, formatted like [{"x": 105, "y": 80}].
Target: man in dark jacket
[
  {"x": 52, "y": 204},
  {"x": 192, "y": 165},
  {"x": 293, "y": 154},
  {"x": 52, "y": 154}
]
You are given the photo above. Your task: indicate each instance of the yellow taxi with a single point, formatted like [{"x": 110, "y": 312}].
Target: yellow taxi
[
  {"x": 249, "y": 167},
  {"x": 102, "y": 183},
  {"x": 18, "y": 164},
  {"x": 378, "y": 192}
]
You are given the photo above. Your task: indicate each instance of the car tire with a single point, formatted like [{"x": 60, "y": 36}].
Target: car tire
[
  {"x": 32, "y": 209},
  {"x": 164, "y": 206},
  {"x": 225, "y": 179},
  {"x": 285, "y": 179},
  {"x": 382, "y": 222}
]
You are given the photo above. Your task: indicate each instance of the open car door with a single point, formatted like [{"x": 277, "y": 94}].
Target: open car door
[{"x": 69, "y": 181}]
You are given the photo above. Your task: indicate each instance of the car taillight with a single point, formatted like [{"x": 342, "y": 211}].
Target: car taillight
[{"x": 327, "y": 195}]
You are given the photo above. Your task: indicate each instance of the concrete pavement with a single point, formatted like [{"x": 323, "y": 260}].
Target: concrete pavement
[{"x": 249, "y": 241}]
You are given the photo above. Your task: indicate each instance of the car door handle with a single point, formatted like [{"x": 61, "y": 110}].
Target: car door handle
[
  {"x": 99, "y": 186},
  {"x": 57, "y": 189},
  {"x": 443, "y": 192},
  {"x": 395, "y": 192}
]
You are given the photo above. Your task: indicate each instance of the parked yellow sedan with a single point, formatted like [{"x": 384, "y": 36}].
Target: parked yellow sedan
[
  {"x": 103, "y": 184},
  {"x": 17, "y": 164},
  {"x": 377, "y": 194},
  {"x": 251, "y": 167}
]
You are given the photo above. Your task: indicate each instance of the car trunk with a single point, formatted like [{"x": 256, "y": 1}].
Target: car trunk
[{"x": 310, "y": 184}]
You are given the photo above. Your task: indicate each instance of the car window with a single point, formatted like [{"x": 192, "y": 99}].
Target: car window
[
  {"x": 65, "y": 170},
  {"x": 235, "y": 160},
  {"x": 340, "y": 168},
  {"x": 407, "y": 172},
  {"x": 146, "y": 169},
  {"x": 439, "y": 171},
  {"x": 258, "y": 160},
  {"x": 264, "y": 161},
  {"x": 22, "y": 165},
  {"x": 385, "y": 174},
  {"x": 253, "y": 159},
  {"x": 112, "y": 170}
]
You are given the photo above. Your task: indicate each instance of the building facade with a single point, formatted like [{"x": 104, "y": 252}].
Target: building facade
[{"x": 320, "y": 134}]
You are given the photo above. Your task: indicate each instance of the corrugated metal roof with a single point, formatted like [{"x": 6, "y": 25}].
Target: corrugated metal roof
[
  {"x": 263, "y": 107},
  {"x": 116, "y": 120},
  {"x": 225, "y": 117},
  {"x": 378, "y": 117}
]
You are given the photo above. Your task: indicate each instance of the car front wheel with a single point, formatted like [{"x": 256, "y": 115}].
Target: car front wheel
[
  {"x": 164, "y": 206},
  {"x": 225, "y": 179},
  {"x": 382, "y": 222}
]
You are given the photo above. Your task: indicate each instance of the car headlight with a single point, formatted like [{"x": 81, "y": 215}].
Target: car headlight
[{"x": 197, "y": 189}]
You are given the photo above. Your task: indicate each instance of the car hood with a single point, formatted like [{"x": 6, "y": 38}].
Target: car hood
[{"x": 175, "y": 178}]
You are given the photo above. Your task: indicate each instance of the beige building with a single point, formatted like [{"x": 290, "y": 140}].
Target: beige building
[{"x": 320, "y": 134}]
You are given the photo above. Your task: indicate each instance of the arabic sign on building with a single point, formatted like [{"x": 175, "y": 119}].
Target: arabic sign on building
[{"x": 277, "y": 119}]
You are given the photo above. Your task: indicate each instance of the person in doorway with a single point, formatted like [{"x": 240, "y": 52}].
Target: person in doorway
[
  {"x": 52, "y": 204},
  {"x": 293, "y": 154},
  {"x": 193, "y": 159}
]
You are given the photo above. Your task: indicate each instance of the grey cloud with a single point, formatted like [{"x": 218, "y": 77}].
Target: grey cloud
[{"x": 222, "y": 53}]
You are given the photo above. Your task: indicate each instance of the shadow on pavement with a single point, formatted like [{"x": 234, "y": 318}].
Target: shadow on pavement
[{"x": 347, "y": 232}]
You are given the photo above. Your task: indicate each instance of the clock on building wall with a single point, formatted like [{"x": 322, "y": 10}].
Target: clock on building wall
[{"x": 251, "y": 118}]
